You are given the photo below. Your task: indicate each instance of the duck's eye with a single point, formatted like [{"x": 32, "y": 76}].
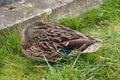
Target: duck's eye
[{"x": 38, "y": 24}]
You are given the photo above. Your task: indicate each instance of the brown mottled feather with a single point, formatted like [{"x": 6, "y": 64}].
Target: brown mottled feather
[{"x": 46, "y": 39}]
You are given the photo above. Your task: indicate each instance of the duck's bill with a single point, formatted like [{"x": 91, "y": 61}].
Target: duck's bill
[{"x": 93, "y": 47}]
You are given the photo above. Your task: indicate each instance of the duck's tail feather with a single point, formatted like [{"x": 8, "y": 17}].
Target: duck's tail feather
[{"x": 93, "y": 47}]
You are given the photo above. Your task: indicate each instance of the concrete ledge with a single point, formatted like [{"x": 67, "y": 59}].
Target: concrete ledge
[{"x": 29, "y": 11}]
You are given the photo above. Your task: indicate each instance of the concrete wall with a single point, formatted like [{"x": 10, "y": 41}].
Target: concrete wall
[{"x": 25, "y": 12}]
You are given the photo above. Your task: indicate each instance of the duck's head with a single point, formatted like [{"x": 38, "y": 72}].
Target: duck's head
[{"x": 33, "y": 30}]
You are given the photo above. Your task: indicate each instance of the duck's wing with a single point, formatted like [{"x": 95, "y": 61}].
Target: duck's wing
[{"x": 71, "y": 39}]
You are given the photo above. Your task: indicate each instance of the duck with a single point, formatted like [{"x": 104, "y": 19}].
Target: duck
[{"x": 50, "y": 41}]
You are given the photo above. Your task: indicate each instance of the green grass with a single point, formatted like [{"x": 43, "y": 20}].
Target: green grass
[{"x": 101, "y": 65}]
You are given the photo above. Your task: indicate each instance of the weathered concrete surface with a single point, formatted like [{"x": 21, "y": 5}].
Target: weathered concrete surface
[{"x": 29, "y": 11}]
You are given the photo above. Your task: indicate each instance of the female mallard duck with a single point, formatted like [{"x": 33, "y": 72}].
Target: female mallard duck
[{"x": 50, "y": 41}]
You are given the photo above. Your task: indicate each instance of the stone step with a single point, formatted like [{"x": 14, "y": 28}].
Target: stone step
[{"x": 29, "y": 11}]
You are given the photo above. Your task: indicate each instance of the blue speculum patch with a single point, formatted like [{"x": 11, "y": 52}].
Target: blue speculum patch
[{"x": 65, "y": 51}]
